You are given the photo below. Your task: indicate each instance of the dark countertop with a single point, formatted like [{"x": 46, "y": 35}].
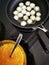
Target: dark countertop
[{"x": 36, "y": 49}]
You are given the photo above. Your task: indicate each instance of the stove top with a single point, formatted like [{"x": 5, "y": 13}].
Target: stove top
[{"x": 35, "y": 48}]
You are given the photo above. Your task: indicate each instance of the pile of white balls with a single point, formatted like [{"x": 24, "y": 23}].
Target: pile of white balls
[{"x": 27, "y": 13}]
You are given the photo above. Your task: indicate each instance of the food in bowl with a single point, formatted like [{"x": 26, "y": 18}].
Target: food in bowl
[{"x": 18, "y": 57}]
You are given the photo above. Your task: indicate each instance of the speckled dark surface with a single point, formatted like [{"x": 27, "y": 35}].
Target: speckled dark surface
[{"x": 11, "y": 32}]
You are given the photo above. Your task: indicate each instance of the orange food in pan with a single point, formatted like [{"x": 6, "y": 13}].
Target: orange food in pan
[{"x": 18, "y": 57}]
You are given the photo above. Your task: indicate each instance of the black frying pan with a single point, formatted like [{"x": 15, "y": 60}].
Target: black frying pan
[{"x": 44, "y": 6}]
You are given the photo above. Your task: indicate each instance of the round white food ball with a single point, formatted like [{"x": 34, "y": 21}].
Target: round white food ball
[
  {"x": 38, "y": 18},
  {"x": 32, "y": 5},
  {"x": 16, "y": 17},
  {"x": 23, "y": 23},
  {"x": 27, "y": 3},
  {"x": 15, "y": 12},
  {"x": 20, "y": 15},
  {"x": 29, "y": 21},
  {"x": 25, "y": 17},
  {"x": 38, "y": 14},
  {"x": 24, "y": 7},
  {"x": 21, "y": 4},
  {"x": 37, "y": 8},
  {"x": 33, "y": 12},
  {"x": 19, "y": 9},
  {"x": 23, "y": 11},
  {"x": 32, "y": 17},
  {"x": 29, "y": 8},
  {"x": 28, "y": 13}
]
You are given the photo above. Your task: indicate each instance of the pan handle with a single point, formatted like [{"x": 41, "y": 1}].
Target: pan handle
[{"x": 44, "y": 29}]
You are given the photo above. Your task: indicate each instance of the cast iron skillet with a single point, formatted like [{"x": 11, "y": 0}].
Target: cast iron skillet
[{"x": 44, "y": 6}]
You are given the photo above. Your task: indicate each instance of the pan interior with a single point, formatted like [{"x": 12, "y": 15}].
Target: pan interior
[{"x": 14, "y": 3}]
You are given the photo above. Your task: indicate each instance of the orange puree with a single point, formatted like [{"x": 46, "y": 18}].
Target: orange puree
[{"x": 18, "y": 57}]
